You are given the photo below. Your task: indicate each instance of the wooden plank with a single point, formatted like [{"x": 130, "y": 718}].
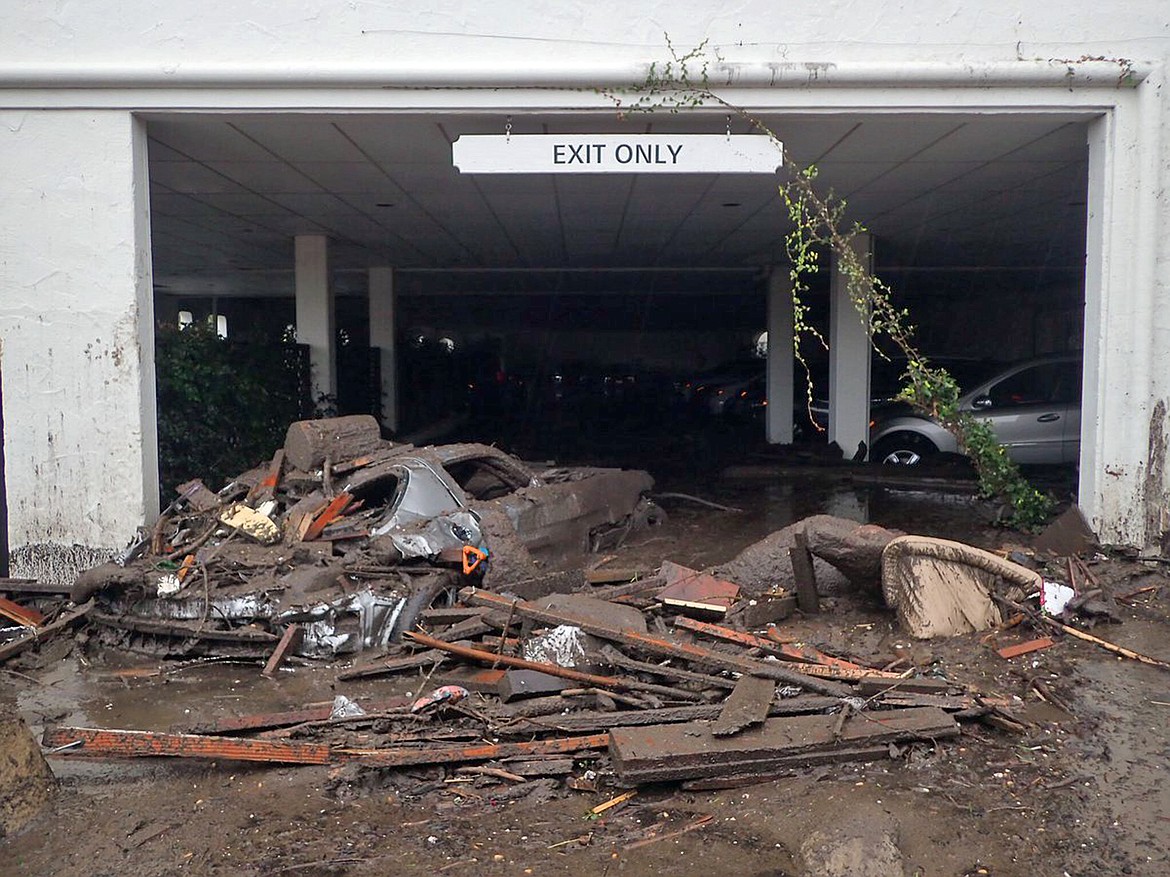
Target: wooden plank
[
  {"x": 41, "y": 634},
  {"x": 1032, "y": 645},
  {"x": 747, "y": 705},
  {"x": 591, "y": 721},
  {"x": 265, "y": 488},
  {"x": 386, "y": 666},
  {"x": 785, "y": 767},
  {"x": 615, "y": 658},
  {"x": 22, "y": 615},
  {"x": 614, "y": 576},
  {"x": 462, "y": 754},
  {"x": 329, "y": 514},
  {"x": 33, "y": 587},
  {"x": 871, "y": 684},
  {"x": 290, "y": 639},
  {"x": 137, "y": 744},
  {"x": 686, "y": 651},
  {"x": 618, "y": 683},
  {"x": 673, "y": 752},
  {"x": 805, "y": 658},
  {"x": 804, "y": 575}
]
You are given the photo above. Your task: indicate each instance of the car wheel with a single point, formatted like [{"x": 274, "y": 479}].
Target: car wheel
[{"x": 903, "y": 449}]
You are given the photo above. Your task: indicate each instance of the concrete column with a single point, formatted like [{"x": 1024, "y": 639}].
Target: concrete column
[
  {"x": 315, "y": 314},
  {"x": 76, "y": 338},
  {"x": 1124, "y": 487},
  {"x": 382, "y": 336},
  {"x": 781, "y": 360},
  {"x": 849, "y": 356}
]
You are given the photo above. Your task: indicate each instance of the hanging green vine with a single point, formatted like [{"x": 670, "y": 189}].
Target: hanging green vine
[{"x": 819, "y": 224}]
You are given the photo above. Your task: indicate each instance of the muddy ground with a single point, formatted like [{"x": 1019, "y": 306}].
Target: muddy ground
[{"x": 1079, "y": 794}]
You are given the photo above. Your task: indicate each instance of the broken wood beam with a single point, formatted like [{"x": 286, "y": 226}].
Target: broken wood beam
[
  {"x": 617, "y": 659},
  {"x": 804, "y": 575},
  {"x": 22, "y": 615},
  {"x": 747, "y": 705},
  {"x": 9, "y": 650},
  {"x": 595, "y": 720},
  {"x": 138, "y": 744},
  {"x": 289, "y": 640},
  {"x": 654, "y": 645},
  {"x": 386, "y": 666},
  {"x": 805, "y": 658},
  {"x": 330, "y": 513},
  {"x": 659, "y": 753},
  {"x": 406, "y": 757},
  {"x": 265, "y": 488},
  {"x": 617, "y": 683}
]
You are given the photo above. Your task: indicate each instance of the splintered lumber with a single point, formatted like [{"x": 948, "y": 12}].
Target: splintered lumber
[
  {"x": 386, "y": 666},
  {"x": 290, "y": 639},
  {"x": 686, "y": 651},
  {"x": 747, "y": 705},
  {"x": 184, "y": 630},
  {"x": 616, "y": 659},
  {"x": 22, "y": 615},
  {"x": 137, "y": 744},
  {"x": 308, "y": 442},
  {"x": 1087, "y": 637},
  {"x": 265, "y": 488},
  {"x": 331, "y": 513},
  {"x": 617, "y": 683},
  {"x": 40, "y": 634},
  {"x": 586, "y": 722},
  {"x": 804, "y": 575},
  {"x": 876, "y": 684},
  {"x": 676, "y": 752},
  {"x": 404, "y": 757},
  {"x": 314, "y": 712},
  {"x": 806, "y": 659}
]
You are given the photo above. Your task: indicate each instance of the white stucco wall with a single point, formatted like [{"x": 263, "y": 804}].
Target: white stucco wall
[
  {"x": 76, "y": 338},
  {"x": 120, "y": 56}
]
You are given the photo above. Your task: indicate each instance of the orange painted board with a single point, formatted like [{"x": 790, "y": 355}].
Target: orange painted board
[
  {"x": 331, "y": 513},
  {"x": 1032, "y": 645},
  {"x": 23, "y": 615},
  {"x": 140, "y": 744}
]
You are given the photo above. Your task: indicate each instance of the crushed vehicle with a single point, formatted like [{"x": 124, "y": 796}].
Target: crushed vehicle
[{"x": 350, "y": 537}]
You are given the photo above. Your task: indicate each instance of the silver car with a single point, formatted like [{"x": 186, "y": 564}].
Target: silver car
[{"x": 1034, "y": 408}]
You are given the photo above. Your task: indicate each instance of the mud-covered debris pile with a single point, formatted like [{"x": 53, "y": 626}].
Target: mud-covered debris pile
[{"x": 349, "y": 537}]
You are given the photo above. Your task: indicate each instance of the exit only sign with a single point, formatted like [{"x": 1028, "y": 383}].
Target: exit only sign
[{"x": 616, "y": 154}]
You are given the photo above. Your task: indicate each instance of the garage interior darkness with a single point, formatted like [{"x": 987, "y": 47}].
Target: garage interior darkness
[{"x": 978, "y": 221}]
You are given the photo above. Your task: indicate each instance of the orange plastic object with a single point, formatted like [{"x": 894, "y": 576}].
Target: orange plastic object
[{"x": 472, "y": 558}]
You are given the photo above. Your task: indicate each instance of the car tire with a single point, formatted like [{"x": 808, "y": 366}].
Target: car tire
[{"x": 903, "y": 449}]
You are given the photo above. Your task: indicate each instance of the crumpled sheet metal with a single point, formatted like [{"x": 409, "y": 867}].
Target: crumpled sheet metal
[
  {"x": 323, "y": 637},
  {"x": 449, "y": 531},
  {"x": 943, "y": 588}
]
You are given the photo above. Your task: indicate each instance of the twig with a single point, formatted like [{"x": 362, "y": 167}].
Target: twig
[
  {"x": 690, "y": 826},
  {"x": 696, "y": 499}
]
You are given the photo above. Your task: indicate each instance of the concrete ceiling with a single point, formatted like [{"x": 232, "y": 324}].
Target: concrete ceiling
[{"x": 228, "y": 193}]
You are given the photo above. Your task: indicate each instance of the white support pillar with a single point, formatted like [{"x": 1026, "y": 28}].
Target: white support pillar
[
  {"x": 76, "y": 338},
  {"x": 315, "y": 313},
  {"x": 849, "y": 357},
  {"x": 1124, "y": 486},
  {"x": 778, "y": 416},
  {"x": 382, "y": 337}
]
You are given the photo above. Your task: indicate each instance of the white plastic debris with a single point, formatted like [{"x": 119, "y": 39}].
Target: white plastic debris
[
  {"x": 344, "y": 708},
  {"x": 169, "y": 585},
  {"x": 1054, "y": 597}
]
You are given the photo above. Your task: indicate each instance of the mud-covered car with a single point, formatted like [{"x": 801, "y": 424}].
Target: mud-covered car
[
  {"x": 1033, "y": 407},
  {"x": 353, "y": 552}
]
